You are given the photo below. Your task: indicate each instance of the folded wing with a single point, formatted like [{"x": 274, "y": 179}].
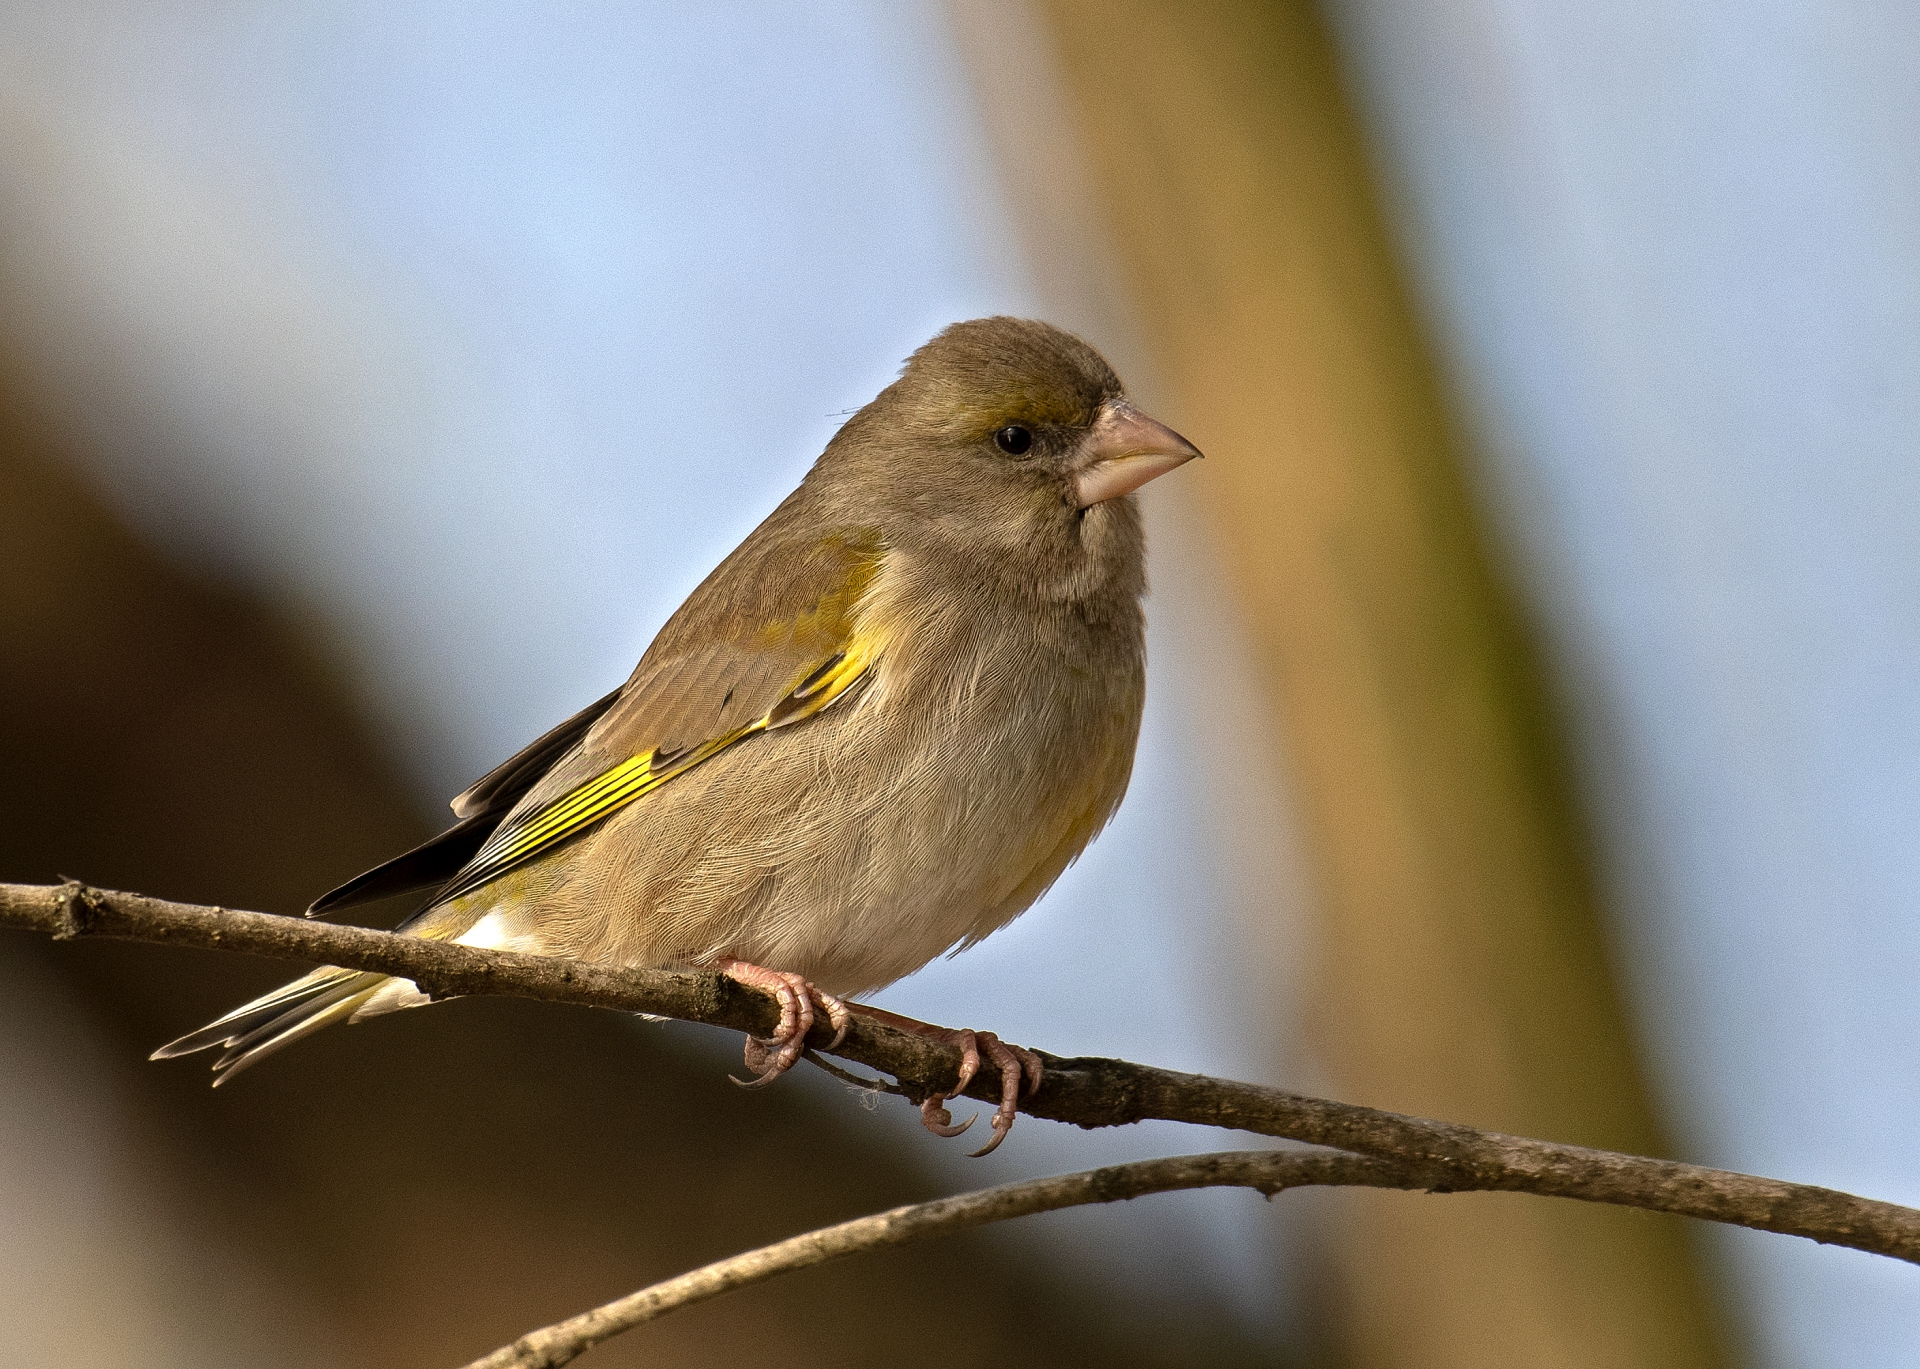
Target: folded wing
[{"x": 758, "y": 647}]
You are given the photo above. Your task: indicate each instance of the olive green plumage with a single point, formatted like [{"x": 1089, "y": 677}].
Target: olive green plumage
[{"x": 876, "y": 732}]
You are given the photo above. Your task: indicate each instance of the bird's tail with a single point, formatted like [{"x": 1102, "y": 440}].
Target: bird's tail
[{"x": 258, "y": 1029}]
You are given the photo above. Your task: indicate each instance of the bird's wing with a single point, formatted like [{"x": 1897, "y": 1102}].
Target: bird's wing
[
  {"x": 480, "y": 810},
  {"x": 503, "y": 786},
  {"x": 768, "y": 641}
]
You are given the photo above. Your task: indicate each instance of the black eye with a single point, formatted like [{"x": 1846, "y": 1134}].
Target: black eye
[{"x": 1014, "y": 441}]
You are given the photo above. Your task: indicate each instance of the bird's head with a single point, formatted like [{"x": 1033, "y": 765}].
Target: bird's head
[{"x": 1009, "y": 447}]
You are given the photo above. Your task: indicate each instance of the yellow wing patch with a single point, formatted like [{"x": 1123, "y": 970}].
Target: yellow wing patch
[{"x": 619, "y": 785}]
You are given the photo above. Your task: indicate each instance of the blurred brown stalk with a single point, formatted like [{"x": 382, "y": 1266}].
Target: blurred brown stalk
[{"x": 1464, "y": 971}]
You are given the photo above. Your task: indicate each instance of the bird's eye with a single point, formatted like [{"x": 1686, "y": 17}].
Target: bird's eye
[{"x": 1014, "y": 441}]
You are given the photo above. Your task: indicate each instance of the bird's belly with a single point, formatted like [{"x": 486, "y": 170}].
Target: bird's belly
[{"x": 852, "y": 849}]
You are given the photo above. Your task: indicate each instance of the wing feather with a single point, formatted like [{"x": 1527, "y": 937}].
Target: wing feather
[
  {"x": 480, "y": 809},
  {"x": 500, "y": 788},
  {"x": 720, "y": 672}
]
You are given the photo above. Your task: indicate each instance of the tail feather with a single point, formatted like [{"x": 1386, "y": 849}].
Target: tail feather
[
  {"x": 243, "y": 1019},
  {"x": 255, "y": 1030}
]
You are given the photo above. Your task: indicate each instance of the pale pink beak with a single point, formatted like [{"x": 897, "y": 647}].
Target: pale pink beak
[{"x": 1124, "y": 451}]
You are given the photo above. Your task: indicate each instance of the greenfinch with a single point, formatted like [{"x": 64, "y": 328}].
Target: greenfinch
[{"x": 877, "y": 732}]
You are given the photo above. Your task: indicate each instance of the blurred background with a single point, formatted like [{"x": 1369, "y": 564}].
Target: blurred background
[{"x": 1534, "y": 721}]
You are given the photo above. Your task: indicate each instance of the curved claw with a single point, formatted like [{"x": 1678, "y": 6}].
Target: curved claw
[
  {"x": 1017, "y": 1067},
  {"x": 969, "y": 1043},
  {"x": 1020, "y": 1071},
  {"x": 1001, "y": 1126},
  {"x": 1029, "y": 1067},
  {"x": 759, "y": 1081},
  {"x": 837, "y": 1016},
  {"x": 760, "y": 1055},
  {"x": 936, "y": 1119},
  {"x": 774, "y": 1056},
  {"x": 763, "y": 1059},
  {"x": 933, "y": 1113}
]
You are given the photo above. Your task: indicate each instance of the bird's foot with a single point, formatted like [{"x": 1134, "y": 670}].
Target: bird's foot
[
  {"x": 1016, "y": 1064},
  {"x": 770, "y": 1058}
]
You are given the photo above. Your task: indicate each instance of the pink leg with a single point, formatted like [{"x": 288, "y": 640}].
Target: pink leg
[
  {"x": 769, "y": 1059},
  {"x": 1015, "y": 1063}
]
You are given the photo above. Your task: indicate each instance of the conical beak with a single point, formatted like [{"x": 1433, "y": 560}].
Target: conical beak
[{"x": 1124, "y": 451}]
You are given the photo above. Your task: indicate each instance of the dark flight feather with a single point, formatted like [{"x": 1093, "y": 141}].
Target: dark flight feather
[{"x": 432, "y": 864}]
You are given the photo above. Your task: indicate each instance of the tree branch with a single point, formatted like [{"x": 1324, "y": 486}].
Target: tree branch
[
  {"x": 1089, "y": 1092},
  {"x": 1266, "y": 1170}
]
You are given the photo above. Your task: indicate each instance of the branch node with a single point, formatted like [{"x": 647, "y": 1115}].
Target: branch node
[
  {"x": 79, "y": 910},
  {"x": 435, "y": 991}
]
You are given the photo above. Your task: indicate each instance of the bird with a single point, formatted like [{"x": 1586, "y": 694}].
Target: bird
[{"x": 876, "y": 733}]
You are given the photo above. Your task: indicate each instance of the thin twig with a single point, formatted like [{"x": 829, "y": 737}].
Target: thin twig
[
  {"x": 1266, "y": 1170},
  {"x": 848, "y": 1077},
  {"x": 1089, "y": 1092}
]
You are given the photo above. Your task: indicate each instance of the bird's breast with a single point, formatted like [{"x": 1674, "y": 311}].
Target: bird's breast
[{"x": 992, "y": 745}]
